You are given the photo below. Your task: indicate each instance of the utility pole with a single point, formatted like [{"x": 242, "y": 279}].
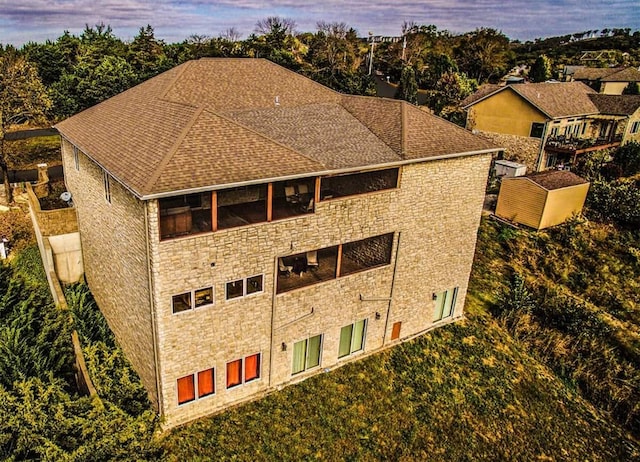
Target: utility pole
[
  {"x": 371, "y": 57},
  {"x": 404, "y": 46}
]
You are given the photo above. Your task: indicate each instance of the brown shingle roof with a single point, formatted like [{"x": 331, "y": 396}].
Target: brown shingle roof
[
  {"x": 215, "y": 122},
  {"x": 558, "y": 99},
  {"x": 556, "y": 179},
  {"x": 482, "y": 91},
  {"x": 594, "y": 73},
  {"x": 616, "y": 104},
  {"x": 628, "y": 74}
]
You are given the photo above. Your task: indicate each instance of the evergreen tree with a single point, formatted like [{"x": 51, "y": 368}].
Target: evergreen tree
[
  {"x": 541, "y": 69},
  {"x": 408, "y": 88}
]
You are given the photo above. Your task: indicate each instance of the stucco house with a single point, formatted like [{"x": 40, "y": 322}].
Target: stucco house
[
  {"x": 244, "y": 227},
  {"x": 607, "y": 80},
  {"x": 542, "y": 199},
  {"x": 549, "y": 124}
]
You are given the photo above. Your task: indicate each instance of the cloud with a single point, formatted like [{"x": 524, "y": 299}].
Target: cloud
[{"x": 175, "y": 20}]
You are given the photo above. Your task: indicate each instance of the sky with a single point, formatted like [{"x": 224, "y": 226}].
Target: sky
[{"x": 23, "y": 21}]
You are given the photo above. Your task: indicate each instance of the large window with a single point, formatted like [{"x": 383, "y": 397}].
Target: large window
[
  {"x": 197, "y": 385},
  {"x": 242, "y": 206},
  {"x": 243, "y": 370},
  {"x": 352, "y": 338},
  {"x": 536, "y": 130},
  {"x": 358, "y": 183},
  {"x": 184, "y": 215},
  {"x": 193, "y": 299},
  {"x": 306, "y": 354},
  {"x": 312, "y": 267},
  {"x": 635, "y": 127},
  {"x": 445, "y": 303}
]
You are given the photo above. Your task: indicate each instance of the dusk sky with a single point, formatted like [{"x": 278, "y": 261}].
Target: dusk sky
[{"x": 176, "y": 20}]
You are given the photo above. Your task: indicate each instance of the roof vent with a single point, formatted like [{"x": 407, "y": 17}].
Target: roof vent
[{"x": 277, "y": 101}]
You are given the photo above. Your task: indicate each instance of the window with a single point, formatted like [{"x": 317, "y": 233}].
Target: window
[
  {"x": 193, "y": 299},
  {"x": 189, "y": 388},
  {"x": 395, "y": 331},
  {"x": 554, "y": 131},
  {"x": 306, "y": 354},
  {"x": 635, "y": 127},
  {"x": 244, "y": 287},
  {"x": 352, "y": 338},
  {"x": 243, "y": 370},
  {"x": 242, "y": 206},
  {"x": 367, "y": 253},
  {"x": 186, "y": 389},
  {"x": 186, "y": 214},
  {"x": 445, "y": 303},
  {"x": 76, "y": 160},
  {"x": 107, "y": 186},
  {"x": 537, "y": 129},
  {"x": 358, "y": 183}
]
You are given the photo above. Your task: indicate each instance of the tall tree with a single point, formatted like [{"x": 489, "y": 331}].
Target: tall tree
[
  {"x": 541, "y": 69},
  {"x": 408, "y": 88},
  {"x": 483, "y": 54},
  {"x": 23, "y": 97}
]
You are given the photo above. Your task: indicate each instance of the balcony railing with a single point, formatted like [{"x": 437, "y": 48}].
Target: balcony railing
[{"x": 573, "y": 145}]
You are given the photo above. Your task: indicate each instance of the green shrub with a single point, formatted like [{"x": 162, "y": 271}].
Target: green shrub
[{"x": 88, "y": 320}]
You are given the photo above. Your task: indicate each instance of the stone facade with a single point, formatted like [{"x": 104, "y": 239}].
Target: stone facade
[
  {"x": 433, "y": 215},
  {"x": 113, "y": 237},
  {"x": 521, "y": 149}
]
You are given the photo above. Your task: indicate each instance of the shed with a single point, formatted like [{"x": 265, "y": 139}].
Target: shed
[
  {"x": 508, "y": 168},
  {"x": 542, "y": 199}
]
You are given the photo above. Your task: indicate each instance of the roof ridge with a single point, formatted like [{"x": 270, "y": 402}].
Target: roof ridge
[
  {"x": 252, "y": 130},
  {"x": 388, "y": 101},
  {"x": 184, "y": 66},
  {"x": 324, "y": 87},
  {"x": 174, "y": 148}
]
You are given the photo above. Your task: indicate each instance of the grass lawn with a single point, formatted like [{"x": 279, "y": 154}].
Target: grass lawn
[
  {"x": 27, "y": 154},
  {"x": 467, "y": 391}
]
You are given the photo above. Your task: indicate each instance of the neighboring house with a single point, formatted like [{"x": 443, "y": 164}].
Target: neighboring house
[
  {"x": 549, "y": 124},
  {"x": 244, "y": 227},
  {"x": 607, "y": 80},
  {"x": 543, "y": 199}
]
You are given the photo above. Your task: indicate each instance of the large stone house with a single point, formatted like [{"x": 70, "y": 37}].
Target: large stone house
[
  {"x": 548, "y": 124},
  {"x": 244, "y": 227}
]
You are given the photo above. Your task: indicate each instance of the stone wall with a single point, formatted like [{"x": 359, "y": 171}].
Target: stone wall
[
  {"x": 434, "y": 216},
  {"x": 52, "y": 222},
  {"x": 521, "y": 149},
  {"x": 115, "y": 257}
]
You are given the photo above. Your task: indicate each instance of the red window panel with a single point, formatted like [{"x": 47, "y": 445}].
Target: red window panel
[
  {"x": 395, "y": 332},
  {"x": 186, "y": 389},
  {"x": 252, "y": 367},
  {"x": 234, "y": 373},
  {"x": 206, "y": 383}
]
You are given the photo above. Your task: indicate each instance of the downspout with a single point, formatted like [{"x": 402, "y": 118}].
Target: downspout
[
  {"x": 542, "y": 143},
  {"x": 273, "y": 315},
  {"x": 154, "y": 332},
  {"x": 393, "y": 283}
]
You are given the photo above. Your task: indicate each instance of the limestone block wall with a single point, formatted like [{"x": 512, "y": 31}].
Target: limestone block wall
[
  {"x": 113, "y": 238},
  {"x": 522, "y": 149},
  {"x": 434, "y": 216}
]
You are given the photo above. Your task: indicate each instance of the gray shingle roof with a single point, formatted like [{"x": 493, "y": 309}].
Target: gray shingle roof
[{"x": 215, "y": 122}]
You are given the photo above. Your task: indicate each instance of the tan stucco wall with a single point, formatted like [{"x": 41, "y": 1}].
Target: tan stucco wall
[
  {"x": 627, "y": 135},
  {"x": 505, "y": 112},
  {"x": 613, "y": 88},
  {"x": 115, "y": 260},
  {"x": 522, "y": 201},
  {"x": 434, "y": 215},
  {"x": 562, "y": 204}
]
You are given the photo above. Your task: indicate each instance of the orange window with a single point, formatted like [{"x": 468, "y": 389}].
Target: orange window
[
  {"x": 234, "y": 373},
  {"x": 186, "y": 389},
  {"x": 206, "y": 383},
  {"x": 395, "y": 332},
  {"x": 252, "y": 367}
]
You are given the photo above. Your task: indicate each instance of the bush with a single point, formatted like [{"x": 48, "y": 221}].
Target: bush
[{"x": 627, "y": 157}]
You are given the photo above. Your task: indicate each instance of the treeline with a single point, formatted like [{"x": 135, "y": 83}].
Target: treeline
[{"x": 80, "y": 71}]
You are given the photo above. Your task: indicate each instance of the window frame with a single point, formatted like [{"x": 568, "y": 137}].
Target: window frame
[
  {"x": 242, "y": 369},
  {"x": 441, "y": 297},
  {"x": 76, "y": 159},
  {"x": 635, "y": 127},
  {"x": 365, "y": 322},
  {"x": 245, "y": 287},
  {"x": 106, "y": 183},
  {"x": 192, "y": 299},
  {"x": 306, "y": 354},
  {"x": 195, "y": 383}
]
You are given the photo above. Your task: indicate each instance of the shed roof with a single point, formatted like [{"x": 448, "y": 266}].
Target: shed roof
[
  {"x": 555, "y": 179},
  {"x": 222, "y": 121}
]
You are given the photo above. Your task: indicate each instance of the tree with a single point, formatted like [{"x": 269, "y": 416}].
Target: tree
[
  {"x": 23, "y": 97},
  {"x": 276, "y": 30},
  {"x": 483, "y": 54},
  {"x": 146, "y": 54},
  {"x": 408, "y": 87},
  {"x": 631, "y": 89},
  {"x": 541, "y": 69}
]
